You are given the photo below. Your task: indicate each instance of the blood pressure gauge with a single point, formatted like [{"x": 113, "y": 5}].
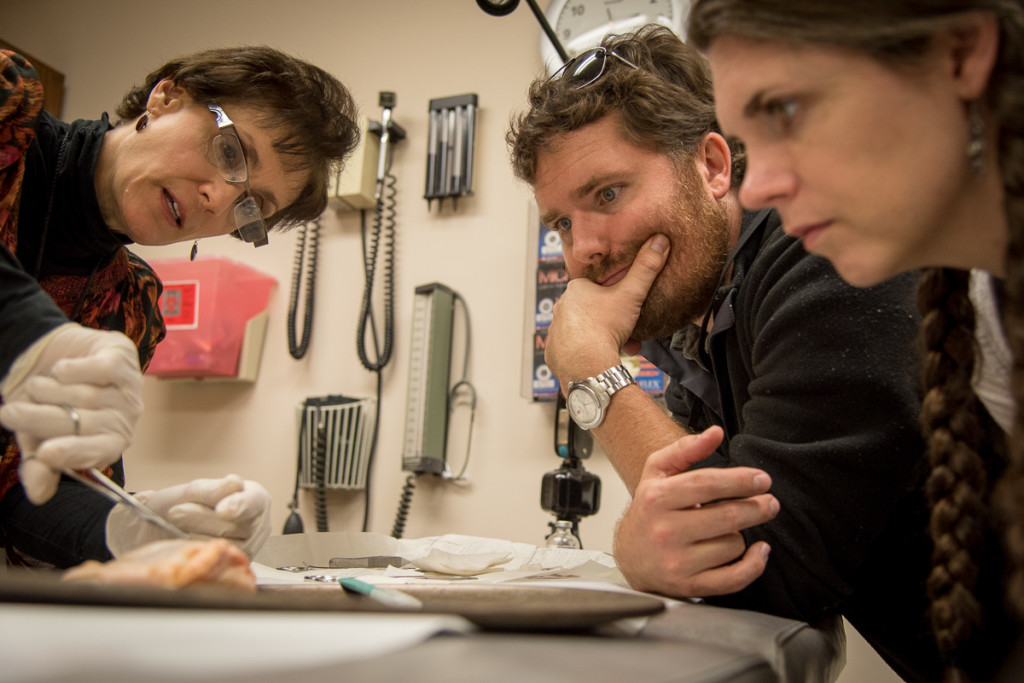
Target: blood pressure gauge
[{"x": 581, "y": 24}]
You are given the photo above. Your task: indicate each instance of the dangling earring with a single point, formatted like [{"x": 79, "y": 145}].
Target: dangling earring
[
  {"x": 143, "y": 121},
  {"x": 976, "y": 139},
  {"x": 195, "y": 251}
]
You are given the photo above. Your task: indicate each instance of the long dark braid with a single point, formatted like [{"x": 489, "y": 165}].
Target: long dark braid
[
  {"x": 898, "y": 32},
  {"x": 957, "y": 487},
  {"x": 1009, "y": 490},
  {"x": 1007, "y": 98}
]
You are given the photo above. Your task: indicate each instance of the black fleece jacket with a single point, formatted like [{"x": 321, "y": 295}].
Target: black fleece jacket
[{"x": 815, "y": 382}]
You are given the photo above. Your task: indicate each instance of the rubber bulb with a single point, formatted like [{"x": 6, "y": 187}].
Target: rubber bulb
[{"x": 293, "y": 525}]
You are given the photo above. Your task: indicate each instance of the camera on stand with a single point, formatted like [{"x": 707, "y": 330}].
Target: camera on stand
[{"x": 570, "y": 492}]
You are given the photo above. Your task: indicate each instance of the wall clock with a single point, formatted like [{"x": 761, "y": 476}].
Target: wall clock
[{"x": 581, "y": 24}]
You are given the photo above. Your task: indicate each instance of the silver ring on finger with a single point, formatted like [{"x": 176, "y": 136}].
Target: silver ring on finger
[{"x": 75, "y": 418}]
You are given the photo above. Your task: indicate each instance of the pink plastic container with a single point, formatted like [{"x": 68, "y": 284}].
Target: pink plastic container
[{"x": 207, "y": 305}]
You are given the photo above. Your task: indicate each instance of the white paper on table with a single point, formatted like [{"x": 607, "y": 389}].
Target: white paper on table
[
  {"x": 487, "y": 560},
  {"x": 521, "y": 556},
  {"x": 461, "y": 564},
  {"x": 180, "y": 643}
]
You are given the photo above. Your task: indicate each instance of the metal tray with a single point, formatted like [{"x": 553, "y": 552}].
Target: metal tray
[{"x": 489, "y": 606}]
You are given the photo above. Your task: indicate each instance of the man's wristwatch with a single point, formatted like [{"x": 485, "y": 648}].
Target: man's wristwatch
[{"x": 587, "y": 401}]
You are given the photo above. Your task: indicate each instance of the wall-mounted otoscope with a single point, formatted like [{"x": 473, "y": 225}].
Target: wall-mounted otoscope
[{"x": 389, "y": 132}]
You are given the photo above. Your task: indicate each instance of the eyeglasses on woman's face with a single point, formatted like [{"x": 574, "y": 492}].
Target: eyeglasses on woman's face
[
  {"x": 587, "y": 67},
  {"x": 230, "y": 159}
]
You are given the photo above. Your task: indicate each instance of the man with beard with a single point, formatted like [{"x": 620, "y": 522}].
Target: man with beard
[{"x": 786, "y": 478}]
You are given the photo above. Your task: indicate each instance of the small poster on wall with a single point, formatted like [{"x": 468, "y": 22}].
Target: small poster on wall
[{"x": 550, "y": 283}]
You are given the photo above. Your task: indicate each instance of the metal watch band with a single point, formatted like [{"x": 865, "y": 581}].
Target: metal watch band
[
  {"x": 615, "y": 378},
  {"x": 589, "y": 412}
]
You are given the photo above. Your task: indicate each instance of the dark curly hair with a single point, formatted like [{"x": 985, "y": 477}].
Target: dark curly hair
[
  {"x": 666, "y": 104},
  {"x": 313, "y": 112},
  {"x": 964, "y": 446}
]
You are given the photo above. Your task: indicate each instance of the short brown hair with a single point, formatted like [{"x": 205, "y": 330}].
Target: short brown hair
[{"x": 666, "y": 104}]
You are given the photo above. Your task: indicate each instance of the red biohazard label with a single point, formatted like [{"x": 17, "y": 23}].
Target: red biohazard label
[{"x": 180, "y": 305}]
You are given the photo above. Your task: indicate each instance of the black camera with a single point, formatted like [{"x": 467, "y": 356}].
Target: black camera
[{"x": 570, "y": 491}]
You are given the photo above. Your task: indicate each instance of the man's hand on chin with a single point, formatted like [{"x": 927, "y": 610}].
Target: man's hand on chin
[{"x": 592, "y": 324}]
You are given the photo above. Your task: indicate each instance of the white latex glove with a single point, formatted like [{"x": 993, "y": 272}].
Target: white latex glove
[
  {"x": 93, "y": 373},
  {"x": 230, "y": 507}
]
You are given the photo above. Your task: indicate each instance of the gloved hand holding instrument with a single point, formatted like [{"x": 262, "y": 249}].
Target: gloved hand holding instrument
[
  {"x": 230, "y": 507},
  {"x": 72, "y": 399}
]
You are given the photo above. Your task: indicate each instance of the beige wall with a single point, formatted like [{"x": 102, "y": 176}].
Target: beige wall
[{"x": 420, "y": 50}]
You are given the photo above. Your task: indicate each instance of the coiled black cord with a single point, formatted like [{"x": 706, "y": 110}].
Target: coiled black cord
[
  {"x": 383, "y": 232},
  {"x": 403, "y": 506},
  {"x": 312, "y": 230},
  {"x": 320, "y": 473}
]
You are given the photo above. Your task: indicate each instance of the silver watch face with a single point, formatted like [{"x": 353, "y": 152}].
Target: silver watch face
[{"x": 583, "y": 406}]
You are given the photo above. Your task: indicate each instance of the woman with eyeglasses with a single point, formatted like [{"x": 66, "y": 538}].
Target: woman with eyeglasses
[
  {"x": 223, "y": 141},
  {"x": 889, "y": 135}
]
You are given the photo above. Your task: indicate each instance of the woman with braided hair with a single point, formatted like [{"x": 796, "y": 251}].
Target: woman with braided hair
[{"x": 889, "y": 135}]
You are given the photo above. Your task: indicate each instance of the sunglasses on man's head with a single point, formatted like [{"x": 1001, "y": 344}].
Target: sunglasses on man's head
[{"x": 587, "y": 67}]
